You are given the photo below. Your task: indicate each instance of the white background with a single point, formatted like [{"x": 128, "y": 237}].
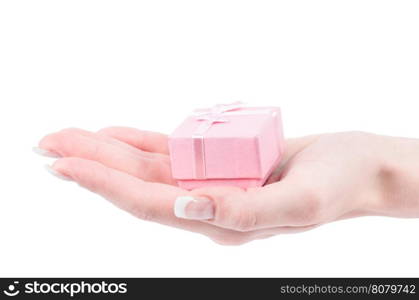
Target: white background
[{"x": 330, "y": 65}]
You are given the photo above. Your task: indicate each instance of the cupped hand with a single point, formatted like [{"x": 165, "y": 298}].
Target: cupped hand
[{"x": 321, "y": 179}]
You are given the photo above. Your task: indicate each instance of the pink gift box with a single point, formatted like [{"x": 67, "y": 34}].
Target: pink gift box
[{"x": 227, "y": 145}]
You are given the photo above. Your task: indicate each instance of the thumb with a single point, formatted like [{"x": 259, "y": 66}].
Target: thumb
[{"x": 280, "y": 204}]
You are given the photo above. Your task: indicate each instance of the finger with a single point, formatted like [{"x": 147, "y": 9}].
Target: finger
[
  {"x": 144, "y": 140},
  {"x": 113, "y": 141},
  {"x": 98, "y": 137},
  {"x": 71, "y": 143},
  {"x": 145, "y": 200},
  {"x": 285, "y": 203}
]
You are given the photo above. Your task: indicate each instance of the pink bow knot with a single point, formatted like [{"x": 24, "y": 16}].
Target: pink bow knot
[{"x": 215, "y": 114}]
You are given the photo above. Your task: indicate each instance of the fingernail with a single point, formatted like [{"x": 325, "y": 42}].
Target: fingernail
[
  {"x": 57, "y": 174},
  {"x": 46, "y": 153},
  {"x": 188, "y": 207}
]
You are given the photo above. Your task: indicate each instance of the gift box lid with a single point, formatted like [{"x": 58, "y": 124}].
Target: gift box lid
[{"x": 244, "y": 144}]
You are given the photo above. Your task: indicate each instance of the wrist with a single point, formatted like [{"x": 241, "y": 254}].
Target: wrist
[{"x": 397, "y": 177}]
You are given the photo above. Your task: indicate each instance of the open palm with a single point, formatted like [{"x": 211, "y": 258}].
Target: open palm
[{"x": 131, "y": 168}]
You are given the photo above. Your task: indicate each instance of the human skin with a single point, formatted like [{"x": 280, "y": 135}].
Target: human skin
[{"x": 321, "y": 179}]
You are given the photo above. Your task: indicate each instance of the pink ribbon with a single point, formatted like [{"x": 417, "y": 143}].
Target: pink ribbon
[{"x": 208, "y": 117}]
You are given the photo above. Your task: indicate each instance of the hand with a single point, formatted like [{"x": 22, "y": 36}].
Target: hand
[{"x": 322, "y": 179}]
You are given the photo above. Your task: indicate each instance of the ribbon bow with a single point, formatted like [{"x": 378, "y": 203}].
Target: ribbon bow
[{"x": 214, "y": 115}]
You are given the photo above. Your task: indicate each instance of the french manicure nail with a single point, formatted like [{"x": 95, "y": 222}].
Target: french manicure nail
[
  {"x": 57, "y": 174},
  {"x": 194, "y": 208},
  {"x": 46, "y": 153}
]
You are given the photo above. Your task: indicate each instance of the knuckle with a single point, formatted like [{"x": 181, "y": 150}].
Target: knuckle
[
  {"x": 96, "y": 151},
  {"x": 144, "y": 215},
  {"x": 155, "y": 171},
  {"x": 103, "y": 182},
  {"x": 69, "y": 165},
  {"x": 145, "y": 166},
  {"x": 243, "y": 219},
  {"x": 233, "y": 213},
  {"x": 146, "y": 169},
  {"x": 141, "y": 212}
]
